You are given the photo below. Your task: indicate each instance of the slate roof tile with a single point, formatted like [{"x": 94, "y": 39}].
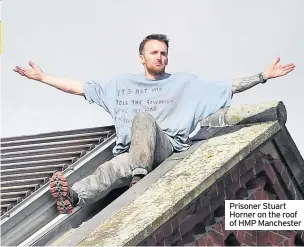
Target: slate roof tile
[{"x": 27, "y": 162}]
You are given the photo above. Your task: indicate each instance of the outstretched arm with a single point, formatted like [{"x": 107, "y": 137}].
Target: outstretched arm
[
  {"x": 274, "y": 70},
  {"x": 66, "y": 85}
]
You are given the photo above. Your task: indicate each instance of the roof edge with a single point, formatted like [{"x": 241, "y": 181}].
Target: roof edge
[
  {"x": 248, "y": 114},
  {"x": 39, "y": 207},
  {"x": 292, "y": 156},
  {"x": 58, "y": 133},
  {"x": 133, "y": 223}
]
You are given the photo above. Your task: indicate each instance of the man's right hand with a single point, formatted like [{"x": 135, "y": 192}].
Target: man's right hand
[
  {"x": 66, "y": 85},
  {"x": 35, "y": 73}
]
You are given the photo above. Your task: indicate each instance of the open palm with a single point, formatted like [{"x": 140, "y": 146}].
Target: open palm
[
  {"x": 35, "y": 73},
  {"x": 276, "y": 70}
]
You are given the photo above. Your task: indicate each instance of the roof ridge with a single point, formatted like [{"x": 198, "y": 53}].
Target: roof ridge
[{"x": 59, "y": 133}]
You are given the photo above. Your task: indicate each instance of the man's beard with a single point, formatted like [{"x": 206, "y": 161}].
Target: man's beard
[{"x": 156, "y": 72}]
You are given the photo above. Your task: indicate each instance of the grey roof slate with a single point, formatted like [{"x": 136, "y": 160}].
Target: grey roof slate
[{"x": 27, "y": 162}]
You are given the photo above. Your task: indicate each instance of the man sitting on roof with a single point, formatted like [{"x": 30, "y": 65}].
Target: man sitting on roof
[{"x": 153, "y": 112}]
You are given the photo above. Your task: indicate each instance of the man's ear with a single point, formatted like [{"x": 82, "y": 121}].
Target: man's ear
[{"x": 142, "y": 59}]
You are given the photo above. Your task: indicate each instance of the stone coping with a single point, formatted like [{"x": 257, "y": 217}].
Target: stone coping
[
  {"x": 247, "y": 114},
  {"x": 180, "y": 185}
]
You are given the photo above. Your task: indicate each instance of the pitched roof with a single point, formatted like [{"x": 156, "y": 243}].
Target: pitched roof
[
  {"x": 35, "y": 221},
  {"x": 29, "y": 161},
  {"x": 172, "y": 193},
  {"x": 179, "y": 186}
]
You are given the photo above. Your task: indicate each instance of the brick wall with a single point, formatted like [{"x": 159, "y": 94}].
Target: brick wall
[{"x": 201, "y": 223}]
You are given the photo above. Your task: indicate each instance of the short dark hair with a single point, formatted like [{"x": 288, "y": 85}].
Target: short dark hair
[{"x": 159, "y": 37}]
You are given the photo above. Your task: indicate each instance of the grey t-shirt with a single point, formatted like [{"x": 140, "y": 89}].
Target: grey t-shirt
[{"x": 177, "y": 102}]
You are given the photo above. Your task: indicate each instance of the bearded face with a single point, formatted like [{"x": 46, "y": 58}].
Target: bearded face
[{"x": 155, "y": 57}]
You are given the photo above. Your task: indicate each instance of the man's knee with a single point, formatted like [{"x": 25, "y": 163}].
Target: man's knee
[{"x": 143, "y": 118}]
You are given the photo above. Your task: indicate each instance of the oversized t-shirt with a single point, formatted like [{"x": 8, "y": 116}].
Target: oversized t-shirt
[{"x": 176, "y": 101}]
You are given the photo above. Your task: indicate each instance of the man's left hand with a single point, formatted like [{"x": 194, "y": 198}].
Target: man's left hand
[{"x": 276, "y": 70}]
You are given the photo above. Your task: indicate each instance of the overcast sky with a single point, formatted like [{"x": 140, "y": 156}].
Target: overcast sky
[{"x": 94, "y": 39}]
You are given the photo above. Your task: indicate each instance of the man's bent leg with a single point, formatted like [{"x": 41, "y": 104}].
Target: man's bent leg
[
  {"x": 149, "y": 145},
  {"x": 112, "y": 174}
]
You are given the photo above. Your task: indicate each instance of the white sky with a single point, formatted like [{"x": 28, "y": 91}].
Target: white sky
[{"x": 92, "y": 39}]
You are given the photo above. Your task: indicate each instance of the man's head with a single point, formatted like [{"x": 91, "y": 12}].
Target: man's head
[{"x": 153, "y": 51}]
